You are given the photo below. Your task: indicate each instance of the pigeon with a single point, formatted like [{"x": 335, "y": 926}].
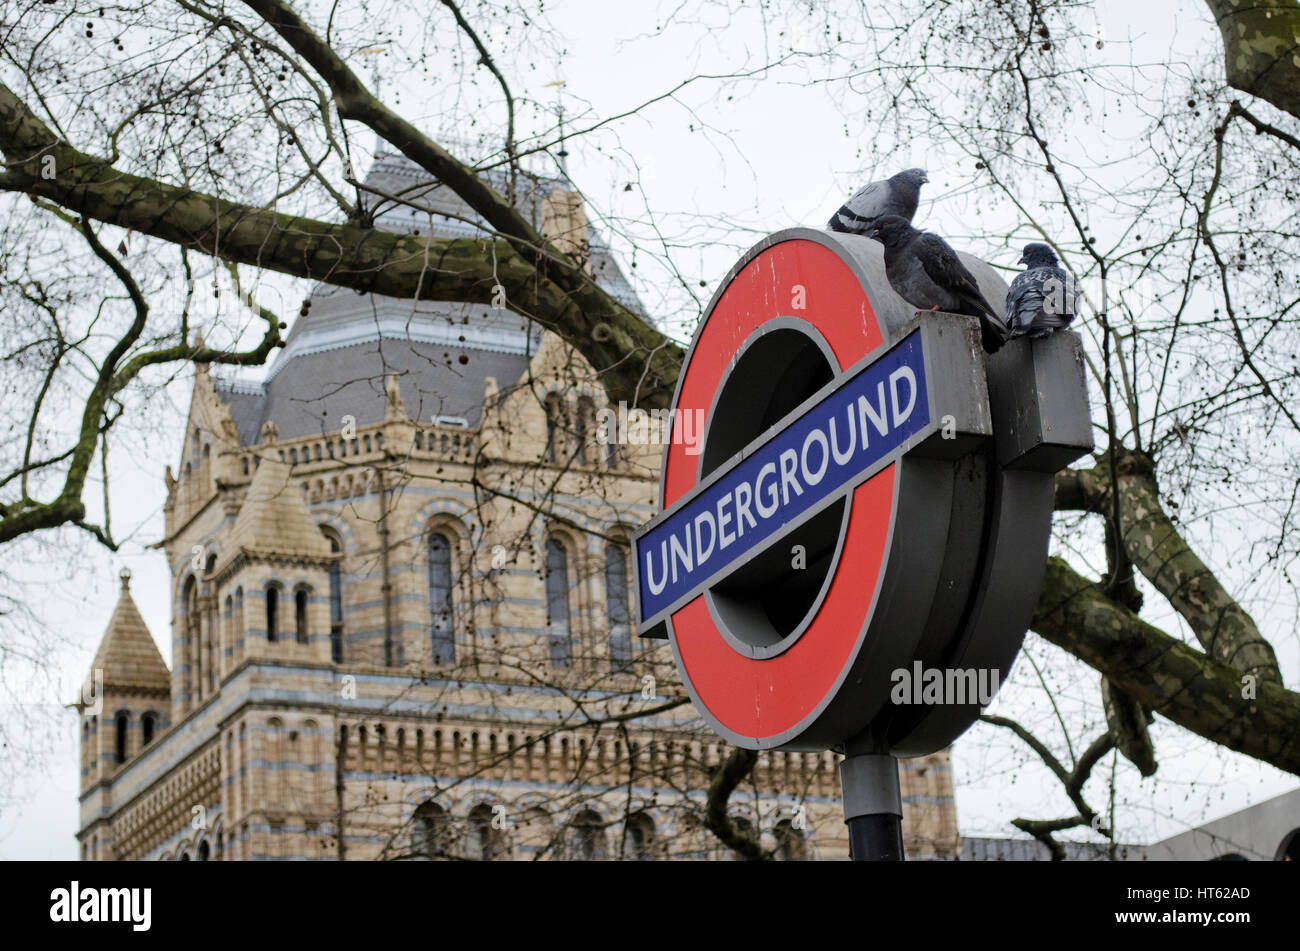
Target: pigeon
[
  {"x": 925, "y": 271},
  {"x": 1043, "y": 298},
  {"x": 891, "y": 196}
]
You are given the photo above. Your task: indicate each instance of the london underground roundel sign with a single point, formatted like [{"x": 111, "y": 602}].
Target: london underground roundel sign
[{"x": 847, "y": 512}]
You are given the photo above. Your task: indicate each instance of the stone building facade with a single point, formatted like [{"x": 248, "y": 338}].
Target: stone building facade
[{"x": 401, "y": 612}]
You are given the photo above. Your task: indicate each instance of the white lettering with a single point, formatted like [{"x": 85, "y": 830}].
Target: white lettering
[
  {"x": 789, "y": 462},
  {"x": 766, "y": 511},
  {"x": 811, "y": 477},
  {"x": 701, "y": 553},
  {"x": 902, "y": 373},
  {"x": 725, "y": 537}
]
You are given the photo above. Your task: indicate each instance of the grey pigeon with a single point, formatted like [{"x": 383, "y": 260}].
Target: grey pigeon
[
  {"x": 1043, "y": 297},
  {"x": 925, "y": 271},
  {"x": 897, "y": 195}
]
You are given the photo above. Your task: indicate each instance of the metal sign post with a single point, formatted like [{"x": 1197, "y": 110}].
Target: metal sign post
[
  {"x": 873, "y": 802},
  {"x": 870, "y": 496}
]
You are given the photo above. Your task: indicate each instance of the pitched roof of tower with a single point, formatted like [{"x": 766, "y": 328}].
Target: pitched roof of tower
[
  {"x": 273, "y": 519},
  {"x": 127, "y": 653},
  {"x": 337, "y": 357}
]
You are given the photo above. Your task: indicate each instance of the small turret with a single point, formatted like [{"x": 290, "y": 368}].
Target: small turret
[{"x": 125, "y": 698}]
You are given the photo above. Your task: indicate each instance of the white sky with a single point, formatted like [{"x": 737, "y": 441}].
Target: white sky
[{"x": 788, "y": 162}]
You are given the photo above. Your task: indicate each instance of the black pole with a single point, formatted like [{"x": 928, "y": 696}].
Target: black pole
[
  {"x": 873, "y": 803},
  {"x": 877, "y": 838}
]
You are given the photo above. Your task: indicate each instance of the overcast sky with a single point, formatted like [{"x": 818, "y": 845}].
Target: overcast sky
[{"x": 785, "y": 160}]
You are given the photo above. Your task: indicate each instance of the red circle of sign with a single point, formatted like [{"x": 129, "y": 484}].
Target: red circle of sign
[{"x": 765, "y": 698}]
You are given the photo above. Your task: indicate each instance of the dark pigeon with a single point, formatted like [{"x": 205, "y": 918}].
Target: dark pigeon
[
  {"x": 1043, "y": 298},
  {"x": 925, "y": 271},
  {"x": 897, "y": 195}
]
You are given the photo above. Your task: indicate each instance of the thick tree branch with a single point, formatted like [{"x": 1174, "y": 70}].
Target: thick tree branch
[
  {"x": 730, "y": 773},
  {"x": 1260, "y": 45},
  {"x": 637, "y": 363},
  {"x": 1212, "y": 699},
  {"x": 590, "y": 313},
  {"x": 1158, "y": 550}
]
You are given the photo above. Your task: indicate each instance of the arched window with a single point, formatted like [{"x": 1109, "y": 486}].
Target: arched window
[
  {"x": 336, "y": 598},
  {"x": 237, "y": 638},
  {"x": 557, "y": 601},
  {"x": 612, "y": 435},
  {"x": 484, "y": 842},
  {"x": 441, "y": 632},
  {"x": 616, "y": 605},
  {"x": 300, "y": 615},
  {"x": 208, "y": 650},
  {"x": 272, "y": 612},
  {"x": 148, "y": 725},
  {"x": 584, "y": 426},
  {"x": 554, "y": 415},
  {"x": 587, "y": 837},
  {"x": 638, "y": 837},
  {"x": 123, "y": 725},
  {"x": 429, "y": 836},
  {"x": 192, "y": 623},
  {"x": 204, "y": 851}
]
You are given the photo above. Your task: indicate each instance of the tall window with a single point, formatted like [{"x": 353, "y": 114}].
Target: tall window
[
  {"x": 616, "y": 605},
  {"x": 557, "y": 601},
  {"x": 484, "y": 842},
  {"x": 587, "y": 837},
  {"x": 300, "y": 615},
  {"x": 148, "y": 725},
  {"x": 336, "y": 600},
  {"x": 123, "y": 724},
  {"x": 584, "y": 425},
  {"x": 191, "y": 653},
  {"x": 440, "y": 607},
  {"x": 272, "y": 613},
  {"x": 226, "y": 645},
  {"x": 209, "y": 649},
  {"x": 237, "y": 638},
  {"x": 638, "y": 837},
  {"x": 613, "y": 435},
  {"x": 430, "y": 834},
  {"x": 553, "y": 421}
]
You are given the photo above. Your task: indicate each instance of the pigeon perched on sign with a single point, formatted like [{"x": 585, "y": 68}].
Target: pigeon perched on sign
[
  {"x": 1043, "y": 298},
  {"x": 925, "y": 271},
  {"x": 897, "y": 195}
]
